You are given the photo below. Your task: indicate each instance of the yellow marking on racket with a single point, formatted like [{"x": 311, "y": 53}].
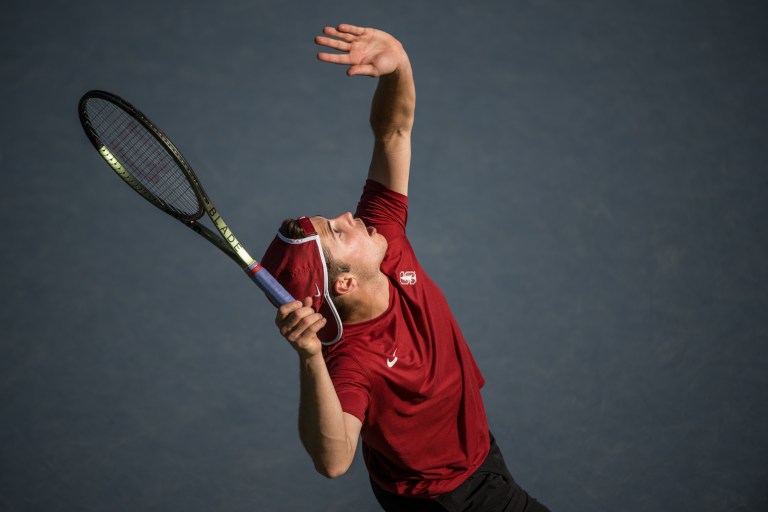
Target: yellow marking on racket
[{"x": 227, "y": 234}]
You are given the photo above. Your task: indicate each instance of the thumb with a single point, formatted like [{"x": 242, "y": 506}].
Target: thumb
[{"x": 362, "y": 70}]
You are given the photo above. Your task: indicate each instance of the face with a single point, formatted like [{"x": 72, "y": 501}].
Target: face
[{"x": 351, "y": 242}]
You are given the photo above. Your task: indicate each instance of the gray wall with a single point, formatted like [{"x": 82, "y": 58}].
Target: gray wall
[{"x": 589, "y": 186}]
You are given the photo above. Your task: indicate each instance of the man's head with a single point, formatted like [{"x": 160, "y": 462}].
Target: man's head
[
  {"x": 330, "y": 259},
  {"x": 353, "y": 251}
]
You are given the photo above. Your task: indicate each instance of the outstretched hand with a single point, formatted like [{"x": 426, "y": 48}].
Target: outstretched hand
[{"x": 366, "y": 51}]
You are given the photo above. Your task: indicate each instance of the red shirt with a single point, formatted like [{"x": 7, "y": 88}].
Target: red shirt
[{"x": 408, "y": 374}]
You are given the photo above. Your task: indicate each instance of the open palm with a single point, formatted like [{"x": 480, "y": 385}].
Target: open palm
[{"x": 366, "y": 51}]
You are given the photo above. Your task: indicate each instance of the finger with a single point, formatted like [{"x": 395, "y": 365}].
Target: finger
[
  {"x": 286, "y": 309},
  {"x": 345, "y": 28},
  {"x": 333, "y": 32},
  {"x": 335, "y": 58},
  {"x": 309, "y": 342},
  {"x": 315, "y": 327},
  {"x": 363, "y": 70},
  {"x": 304, "y": 318},
  {"x": 308, "y": 325},
  {"x": 335, "y": 44},
  {"x": 297, "y": 322},
  {"x": 289, "y": 315}
]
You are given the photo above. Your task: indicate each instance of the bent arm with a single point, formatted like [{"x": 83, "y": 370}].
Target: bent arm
[{"x": 328, "y": 434}]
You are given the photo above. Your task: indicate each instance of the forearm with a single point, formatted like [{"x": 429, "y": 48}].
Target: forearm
[
  {"x": 392, "y": 116},
  {"x": 394, "y": 102},
  {"x": 321, "y": 421}
]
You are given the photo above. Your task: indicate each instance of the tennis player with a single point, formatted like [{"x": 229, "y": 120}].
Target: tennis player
[{"x": 381, "y": 355}]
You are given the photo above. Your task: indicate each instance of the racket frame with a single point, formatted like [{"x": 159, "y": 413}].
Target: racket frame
[{"x": 225, "y": 240}]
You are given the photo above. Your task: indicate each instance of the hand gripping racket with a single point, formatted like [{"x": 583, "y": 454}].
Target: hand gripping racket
[{"x": 147, "y": 160}]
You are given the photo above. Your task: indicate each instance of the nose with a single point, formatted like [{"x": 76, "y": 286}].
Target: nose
[{"x": 346, "y": 217}]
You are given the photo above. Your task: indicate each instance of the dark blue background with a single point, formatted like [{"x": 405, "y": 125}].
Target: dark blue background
[{"x": 589, "y": 186}]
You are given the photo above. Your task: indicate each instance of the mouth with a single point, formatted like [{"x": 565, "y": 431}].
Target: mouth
[{"x": 371, "y": 231}]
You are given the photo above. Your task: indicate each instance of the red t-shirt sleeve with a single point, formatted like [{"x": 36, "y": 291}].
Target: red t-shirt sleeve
[
  {"x": 384, "y": 209},
  {"x": 352, "y": 385}
]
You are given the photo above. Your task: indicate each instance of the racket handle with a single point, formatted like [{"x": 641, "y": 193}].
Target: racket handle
[{"x": 274, "y": 291}]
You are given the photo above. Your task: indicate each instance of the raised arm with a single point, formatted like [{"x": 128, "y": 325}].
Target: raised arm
[{"x": 371, "y": 52}]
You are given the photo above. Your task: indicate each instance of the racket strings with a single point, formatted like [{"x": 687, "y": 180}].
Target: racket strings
[{"x": 141, "y": 154}]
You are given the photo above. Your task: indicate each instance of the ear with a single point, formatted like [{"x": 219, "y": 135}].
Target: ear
[{"x": 344, "y": 284}]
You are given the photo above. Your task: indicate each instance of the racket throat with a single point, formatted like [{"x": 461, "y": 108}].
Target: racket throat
[{"x": 227, "y": 234}]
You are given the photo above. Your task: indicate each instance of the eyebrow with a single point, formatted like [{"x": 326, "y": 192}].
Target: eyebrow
[{"x": 331, "y": 233}]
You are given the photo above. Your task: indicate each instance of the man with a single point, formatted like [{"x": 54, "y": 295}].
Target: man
[{"x": 381, "y": 355}]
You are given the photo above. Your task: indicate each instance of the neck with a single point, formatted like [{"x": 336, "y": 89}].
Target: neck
[{"x": 370, "y": 300}]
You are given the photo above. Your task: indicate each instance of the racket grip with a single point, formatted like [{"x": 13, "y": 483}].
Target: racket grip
[{"x": 274, "y": 291}]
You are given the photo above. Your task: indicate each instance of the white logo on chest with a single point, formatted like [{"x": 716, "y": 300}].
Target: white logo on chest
[
  {"x": 408, "y": 277},
  {"x": 391, "y": 362}
]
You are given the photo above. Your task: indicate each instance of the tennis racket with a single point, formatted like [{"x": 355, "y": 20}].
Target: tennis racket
[{"x": 146, "y": 159}]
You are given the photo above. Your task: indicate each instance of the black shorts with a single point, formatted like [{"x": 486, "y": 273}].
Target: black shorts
[{"x": 489, "y": 489}]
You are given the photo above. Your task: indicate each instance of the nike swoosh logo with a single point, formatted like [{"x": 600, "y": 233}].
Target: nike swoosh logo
[
  {"x": 391, "y": 362},
  {"x": 318, "y": 290}
]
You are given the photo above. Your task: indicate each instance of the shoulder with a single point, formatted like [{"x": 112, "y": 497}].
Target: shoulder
[{"x": 383, "y": 208}]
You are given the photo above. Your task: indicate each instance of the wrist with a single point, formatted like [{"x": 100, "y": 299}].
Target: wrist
[
  {"x": 311, "y": 359},
  {"x": 403, "y": 67}
]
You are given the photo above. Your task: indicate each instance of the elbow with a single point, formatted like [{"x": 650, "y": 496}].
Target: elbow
[
  {"x": 332, "y": 467},
  {"x": 331, "y": 459},
  {"x": 331, "y": 471},
  {"x": 389, "y": 128},
  {"x": 393, "y": 138}
]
